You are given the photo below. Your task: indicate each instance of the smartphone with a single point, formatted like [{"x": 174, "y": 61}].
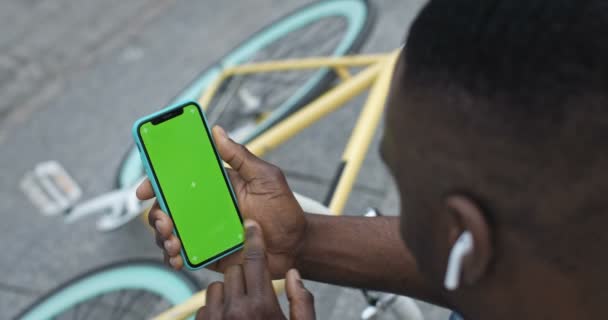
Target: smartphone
[{"x": 190, "y": 182}]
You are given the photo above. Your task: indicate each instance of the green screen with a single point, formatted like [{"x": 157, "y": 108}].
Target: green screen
[{"x": 193, "y": 185}]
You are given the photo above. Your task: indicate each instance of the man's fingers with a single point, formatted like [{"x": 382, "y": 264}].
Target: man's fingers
[
  {"x": 164, "y": 237},
  {"x": 176, "y": 262},
  {"x": 201, "y": 314},
  {"x": 236, "y": 155},
  {"x": 215, "y": 295},
  {"x": 172, "y": 246},
  {"x": 257, "y": 278},
  {"x": 301, "y": 301},
  {"x": 160, "y": 221},
  {"x": 163, "y": 225},
  {"x": 223, "y": 264},
  {"x": 234, "y": 283},
  {"x": 159, "y": 241},
  {"x": 154, "y": 213},
  {"x": 145, "y": 190},
  {"x": 214, "y": 306}
]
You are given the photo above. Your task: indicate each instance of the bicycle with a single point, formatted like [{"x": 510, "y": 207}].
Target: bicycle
[{"x": 233, "y": 97}]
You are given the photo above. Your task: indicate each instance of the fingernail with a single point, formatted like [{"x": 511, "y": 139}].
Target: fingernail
[
  {"x": 249, "y": 229},
  {"x": 137, "y": 192},
  {"x": 295, "y": 274},
  {"x": 221, "y": 131},
  {"x": 167, "y": 245},
  {"x": 249, "y": 224},
  {"x": 158, "y": 224},
  {"x": 173, "y": 261}
]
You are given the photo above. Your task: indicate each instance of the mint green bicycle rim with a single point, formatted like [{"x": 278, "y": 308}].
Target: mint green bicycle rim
[
  {"x": 149, "y": 276},
  {"x": 357, "y": 13}
]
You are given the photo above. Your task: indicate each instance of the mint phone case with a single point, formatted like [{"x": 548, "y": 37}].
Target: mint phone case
[{"x": 154, "y": 183}]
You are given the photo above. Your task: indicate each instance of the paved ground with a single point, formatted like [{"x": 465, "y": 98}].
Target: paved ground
[{"x": 73, "y": 77}]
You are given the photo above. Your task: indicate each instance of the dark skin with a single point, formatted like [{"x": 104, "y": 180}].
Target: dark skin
[
  {"x": 501, "y": 277},
  {"x": 247, "y": 291}
]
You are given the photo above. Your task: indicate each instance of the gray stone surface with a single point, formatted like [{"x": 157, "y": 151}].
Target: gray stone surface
[{"x": 73, "y": 77}]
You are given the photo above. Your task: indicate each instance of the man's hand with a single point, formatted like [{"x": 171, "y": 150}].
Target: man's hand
[
  {"x": 247, "y": 292},
  {"x": 263, "y": 195}
]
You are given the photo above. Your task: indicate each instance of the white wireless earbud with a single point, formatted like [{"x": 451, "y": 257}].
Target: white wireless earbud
[{"x": 462, "y": 247}]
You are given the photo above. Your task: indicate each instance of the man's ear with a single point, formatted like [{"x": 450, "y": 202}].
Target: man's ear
[{"x": 470, "y": 217}]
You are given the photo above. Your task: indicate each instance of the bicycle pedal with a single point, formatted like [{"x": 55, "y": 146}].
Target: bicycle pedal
[
  {"x": 251, "y": 102},
  {"x": 50, "y": 188},
  {"x": 370, "y": 312},
  {"x": 372, "y": 212}
]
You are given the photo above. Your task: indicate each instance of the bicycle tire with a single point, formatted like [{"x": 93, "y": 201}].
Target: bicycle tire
[
  {"x": 147, "y": 276},
  {"x": 130, "y": 167}
]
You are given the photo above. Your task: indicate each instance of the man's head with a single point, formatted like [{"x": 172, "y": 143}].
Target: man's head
[{"x": 497, "y": 124}]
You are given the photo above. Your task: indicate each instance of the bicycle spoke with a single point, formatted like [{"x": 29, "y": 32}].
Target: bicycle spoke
[
  {"x": 150, "y": 303},
  {"x": 76, "y": 311},
  {"x": 88, "y": 312},
  {"x": 119, "y": 299},
  {"x": 129, "y": 306},
  {"x": 270, "y": 90}
]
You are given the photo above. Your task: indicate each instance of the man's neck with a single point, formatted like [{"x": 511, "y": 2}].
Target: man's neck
[{"x": 535, "y": 291}]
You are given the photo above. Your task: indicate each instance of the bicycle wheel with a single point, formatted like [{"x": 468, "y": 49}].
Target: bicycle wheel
[
  {"x": 248, "y": 105},
  {"x": 127, "y": 290}
]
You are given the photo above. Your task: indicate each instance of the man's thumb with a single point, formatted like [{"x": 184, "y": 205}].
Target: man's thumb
[
  {"x": 236, "y": 155},
  {"x": 301, "y": 301}
]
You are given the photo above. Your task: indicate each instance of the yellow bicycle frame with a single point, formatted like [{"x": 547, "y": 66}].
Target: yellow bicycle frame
[{"x": 377, "y": 75}]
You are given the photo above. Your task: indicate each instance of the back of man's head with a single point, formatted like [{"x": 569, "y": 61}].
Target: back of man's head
[{"x": 518, "y": 90}]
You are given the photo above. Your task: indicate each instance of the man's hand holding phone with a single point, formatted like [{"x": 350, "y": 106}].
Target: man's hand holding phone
[{"x": 263, "y": 195}]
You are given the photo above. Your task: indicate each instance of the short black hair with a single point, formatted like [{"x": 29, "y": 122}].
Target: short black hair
[
  {"x": 522, "y": 47},
  {"x": 534, "y": 77}
]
